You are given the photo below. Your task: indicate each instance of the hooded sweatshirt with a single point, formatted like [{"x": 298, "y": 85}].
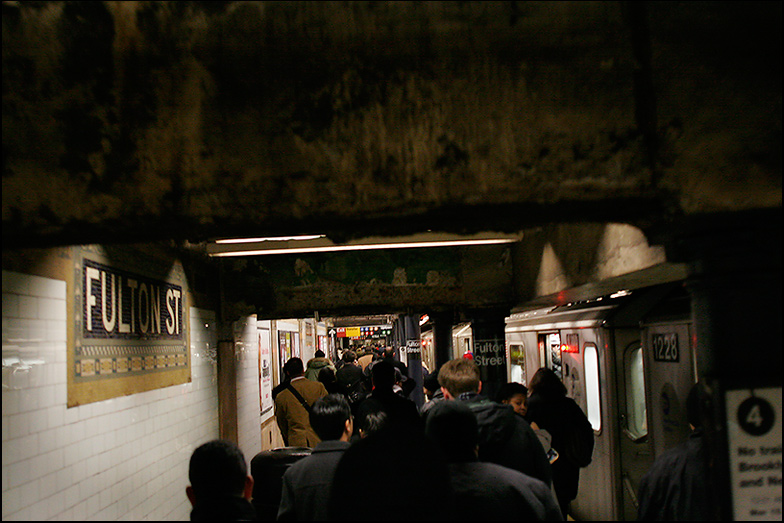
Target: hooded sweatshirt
[
  {"x": 506, "y": 438},
  {"x": 314, "y": 367}
]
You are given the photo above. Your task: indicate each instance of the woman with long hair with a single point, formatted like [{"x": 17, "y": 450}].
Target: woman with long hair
[{"x": 551, "y": 409}]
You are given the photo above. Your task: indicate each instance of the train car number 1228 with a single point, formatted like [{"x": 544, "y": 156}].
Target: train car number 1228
[{"x": 665, "y": 347}]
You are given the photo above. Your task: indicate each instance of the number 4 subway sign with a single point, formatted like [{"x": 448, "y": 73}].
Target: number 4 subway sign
[{"x": 754, "y": 432}]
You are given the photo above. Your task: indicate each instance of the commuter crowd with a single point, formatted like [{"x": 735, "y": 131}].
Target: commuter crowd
[{"x": 357, "y": 448}]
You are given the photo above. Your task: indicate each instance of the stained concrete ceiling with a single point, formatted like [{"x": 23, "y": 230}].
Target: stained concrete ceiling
[
  {"x": 185, "y": 122},
  {"x": 136, "y": 121}
]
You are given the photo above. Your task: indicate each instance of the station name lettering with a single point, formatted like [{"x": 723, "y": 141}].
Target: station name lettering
[
  {"x": 489, "y": 354},
  {"x": 123, "y": 305}
]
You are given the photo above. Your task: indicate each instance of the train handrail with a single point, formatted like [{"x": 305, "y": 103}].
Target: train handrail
[
  {"x": 629, "y": 434},
  {"x": 627, "y": 483},
  {"x": 635, "y": 439}
]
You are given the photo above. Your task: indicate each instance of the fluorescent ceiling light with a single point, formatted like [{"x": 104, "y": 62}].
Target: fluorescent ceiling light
[
  {"x": 271, "y": 239},
  {"x": 320, "y": 243}
]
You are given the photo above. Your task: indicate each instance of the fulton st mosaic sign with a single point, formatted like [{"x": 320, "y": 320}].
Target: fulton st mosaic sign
[
  {"x": 129, "y": 328},
  {"x": 121, "y": 305}
]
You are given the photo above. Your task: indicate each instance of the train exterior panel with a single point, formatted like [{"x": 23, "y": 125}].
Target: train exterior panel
[{"x": 627, "y": 360}]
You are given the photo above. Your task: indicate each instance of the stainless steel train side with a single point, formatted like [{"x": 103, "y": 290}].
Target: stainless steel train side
[{"x": 627, "y": 360}]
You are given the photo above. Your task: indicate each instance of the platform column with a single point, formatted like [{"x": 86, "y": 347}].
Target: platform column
[
  {"x": 412, "y": 344},
  {"x": 735, "y": 284},
  {"x": 490, "y": 348}
]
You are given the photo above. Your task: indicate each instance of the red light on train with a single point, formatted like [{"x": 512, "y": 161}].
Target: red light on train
[
  {"x": 569, "y": 348},
  {"x": 572, "y": 344}
]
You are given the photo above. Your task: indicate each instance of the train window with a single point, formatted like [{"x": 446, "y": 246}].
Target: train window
[
  {"x": 517, "y": 363},
  {"x": 552, "y": 345},
  {"x": 636, "y": 415},
  {"x": 592, "y": 386}
]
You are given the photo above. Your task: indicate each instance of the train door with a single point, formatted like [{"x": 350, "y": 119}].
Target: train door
[
  {"x": 550, "y": 352},
  {"x": 462, "y": 340},
  {"x": 428, "y": 351},
  {"x": 572, "y": 369},
  {"x": 524, "y": 353},
  {"x": 585, "y": 370},
  {"x": 634, "y": 444},
  {"x": 670, "y": 374}
]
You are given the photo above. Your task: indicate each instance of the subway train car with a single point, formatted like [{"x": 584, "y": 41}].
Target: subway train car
[
  {"x": 628, "y": 359},
  {"x": 462, "y": 340}
]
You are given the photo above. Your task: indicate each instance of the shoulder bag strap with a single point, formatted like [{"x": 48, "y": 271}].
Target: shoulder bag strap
[{"x": 298, "y": 396}]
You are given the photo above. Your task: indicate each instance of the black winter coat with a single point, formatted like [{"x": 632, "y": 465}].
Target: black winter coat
[
  {"x": 563, "y": 418},
  {"x": 506, "y": 438}
]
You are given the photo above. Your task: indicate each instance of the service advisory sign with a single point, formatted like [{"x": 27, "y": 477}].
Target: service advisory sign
[
  {"x": 130, "y": 326},
  {"x": 754, "y": 431}
]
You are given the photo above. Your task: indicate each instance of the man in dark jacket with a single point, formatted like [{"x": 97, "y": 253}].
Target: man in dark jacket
[
  {"x": 383, "y": 398},
  {"x": 432, "y": 390},
  {"x": 220, "y": 488},
  {"x": 505, "y": 437},
  {"x": 350, "y": 372},
  {"x": 484, "y": 491},
  {"x": 678, "y": 485},
  {"x": 351, "y": 380},
  {"x": 305, "y": 490}
]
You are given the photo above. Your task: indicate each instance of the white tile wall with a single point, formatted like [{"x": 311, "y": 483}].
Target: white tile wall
[
  {"x": 124, "y": 458},
  {"x": 248, "y": 397}
]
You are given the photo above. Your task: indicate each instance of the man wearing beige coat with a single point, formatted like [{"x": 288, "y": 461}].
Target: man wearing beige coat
[{"x": 292, "y": 406}]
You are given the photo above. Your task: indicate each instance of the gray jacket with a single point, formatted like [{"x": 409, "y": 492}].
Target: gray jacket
[{"x": 306, "y": 485}]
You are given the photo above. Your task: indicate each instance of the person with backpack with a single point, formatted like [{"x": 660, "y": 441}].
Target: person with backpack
[
  {"x": 351, "y": 380},
  {"x": 505, "y": 437},
  {"x": 549, "y": 408}
]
